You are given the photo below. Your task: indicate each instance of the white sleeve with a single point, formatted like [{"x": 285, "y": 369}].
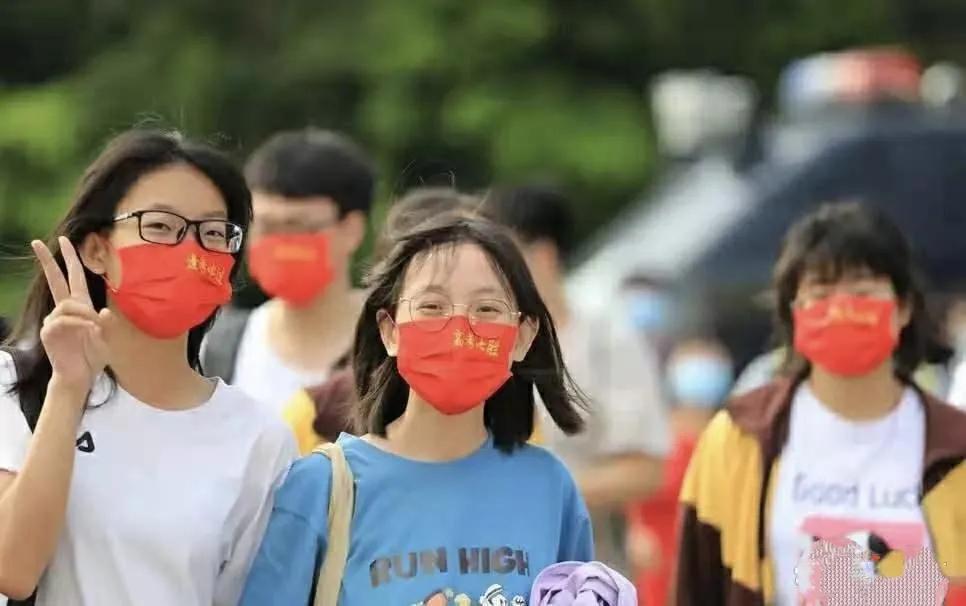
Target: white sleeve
[
  {"x": 14, "y": 433},
  {"x": 629, "y": 395},
  {"x": 270, "y": 458},
  {"x": 957, "y": 391}
]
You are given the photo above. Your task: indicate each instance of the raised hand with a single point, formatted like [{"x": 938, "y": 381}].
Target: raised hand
[{"x": 72, "y": 334}]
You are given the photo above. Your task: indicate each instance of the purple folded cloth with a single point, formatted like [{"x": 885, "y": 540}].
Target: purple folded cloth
[{"x": 582, "y": 584}]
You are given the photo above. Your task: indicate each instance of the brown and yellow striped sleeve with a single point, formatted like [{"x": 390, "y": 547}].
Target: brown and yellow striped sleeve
[{"x": 718, "y": 558}]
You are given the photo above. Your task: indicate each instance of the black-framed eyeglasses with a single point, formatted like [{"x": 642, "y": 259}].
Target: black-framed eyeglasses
[
  {"x": 434, "y": 311},
  {"x": 164, "y": 227}
]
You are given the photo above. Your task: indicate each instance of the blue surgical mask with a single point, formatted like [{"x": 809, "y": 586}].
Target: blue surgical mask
[
  {"x": 649, "y": 311},
  {"x": 700, "y": 381}
]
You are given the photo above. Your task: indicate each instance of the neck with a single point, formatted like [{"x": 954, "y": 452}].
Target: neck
[
  {"x": 425, "y": 434},
  {"x": 154, "y": 371},
  {"x": 865, "y": 398},
  {"x": 324, "y": 315},
  {"x": 550, "y": 284}
]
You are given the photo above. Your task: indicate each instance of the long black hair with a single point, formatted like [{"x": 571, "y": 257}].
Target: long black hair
[
  {"x": 508, "y": 414},
  {"x": 126, "y": 159}
]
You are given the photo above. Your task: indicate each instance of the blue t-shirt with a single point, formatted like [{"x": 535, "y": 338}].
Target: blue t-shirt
[{"x": 475, "y": 531}]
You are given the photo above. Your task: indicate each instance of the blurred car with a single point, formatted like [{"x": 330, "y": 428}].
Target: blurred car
[{"x": 713, "y": 225}]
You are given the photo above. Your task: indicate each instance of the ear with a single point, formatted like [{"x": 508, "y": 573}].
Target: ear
[
  {"x": 95, "y": 253},
  {"x": 353, "y": 228},
  {"x": 389, "y": 332},
  {"x": 525, "y": 337}
]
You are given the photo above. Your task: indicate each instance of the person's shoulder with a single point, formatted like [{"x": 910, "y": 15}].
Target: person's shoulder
[
  {"x": 935, "y": 405},
  {"x": 758, "y": 410},
  {"x": 8, "y": 379},
  {"x": 255, "y": 316},
  {"x": 8, "y": 371},
  {"x": 243, "y": 403},
  {"x": 355, "y": 446},
  {"x": 15, "y": 431},
  {"x": 760, "y": 371},
  {"x": 313, "y": 470},
  {"x": 305, "y": 489},
  {"x": 739, "y": 430},
  {"x": 540, "y": 462},
  {"x": 543, "y": 471},
  {"x": 945, "y": 425},
  {"x": 249, "y": 413},
  {"x": 535, "y": 454}
]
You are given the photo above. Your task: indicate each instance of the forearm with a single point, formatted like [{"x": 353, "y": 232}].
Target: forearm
[
  {"x": 615, "y": 481},
  {"x": 32, "y": 507}
]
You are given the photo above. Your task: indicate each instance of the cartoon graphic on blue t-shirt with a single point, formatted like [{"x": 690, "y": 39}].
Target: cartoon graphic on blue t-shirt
[
  {"x": 470, "y": 532},
  {"x": 493, "y": 596}
]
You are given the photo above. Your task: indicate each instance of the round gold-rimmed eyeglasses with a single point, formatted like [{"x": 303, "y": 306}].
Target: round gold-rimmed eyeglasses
[{"x": 433, "y": 311}]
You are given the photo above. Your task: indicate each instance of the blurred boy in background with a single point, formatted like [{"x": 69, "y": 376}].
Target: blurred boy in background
[
  {"x": 699, "y": 376},
  {"x": 312, "y": 191},
  {"x": 321, "y": 412},
  {"x": 618, "y": 458}
]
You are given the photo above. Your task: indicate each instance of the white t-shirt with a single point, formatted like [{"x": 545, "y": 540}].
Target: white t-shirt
[
  {"x": 957, "y": 391},
  {"x": 261, "y": 373},
  {"x": 840, "y": 478},
  {"x": 619, "y": 373},
  {"x": 165, "y": 507}
]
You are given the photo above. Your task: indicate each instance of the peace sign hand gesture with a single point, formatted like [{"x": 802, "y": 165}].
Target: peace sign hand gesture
[{"x": 72, "y": 334}]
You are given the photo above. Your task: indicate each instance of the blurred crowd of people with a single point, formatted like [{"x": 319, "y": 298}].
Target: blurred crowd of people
[
  {"x": 650, "y": 399},
  {"x": 683, "y": 498}
]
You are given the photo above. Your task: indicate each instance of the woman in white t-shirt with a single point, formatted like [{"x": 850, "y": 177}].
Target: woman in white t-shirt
[{"x": 127, "y": 477}]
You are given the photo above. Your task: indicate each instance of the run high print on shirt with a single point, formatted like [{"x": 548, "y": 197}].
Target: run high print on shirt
[
  {"x": 470, "y": 560},
  {"x": 470, "y": 532}
]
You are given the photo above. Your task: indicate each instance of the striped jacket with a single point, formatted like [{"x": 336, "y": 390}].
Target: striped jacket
[{"x": 723, "y": 558}]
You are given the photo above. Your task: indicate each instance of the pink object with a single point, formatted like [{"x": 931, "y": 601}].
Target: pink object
[{"x": 842, "y": 571}]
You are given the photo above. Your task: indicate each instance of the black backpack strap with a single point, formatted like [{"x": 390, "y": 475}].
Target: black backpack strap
[
  {"x": 31, "y": 601},
  {"x": 221, "y": 344}
]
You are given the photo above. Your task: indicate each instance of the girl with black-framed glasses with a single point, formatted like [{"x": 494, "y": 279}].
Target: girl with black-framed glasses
[{"x": 126, "y": 476}]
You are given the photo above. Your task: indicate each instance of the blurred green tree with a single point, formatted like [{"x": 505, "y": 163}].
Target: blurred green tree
[{"x": 439, "y": 91}]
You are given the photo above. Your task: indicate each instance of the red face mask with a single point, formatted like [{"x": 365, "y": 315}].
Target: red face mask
[
  {"x": 167, "y": 290},
  {"x": 454, "y": 369},
  {"x": 293, "y": 267},
  {"x": 846, "y": 335}
]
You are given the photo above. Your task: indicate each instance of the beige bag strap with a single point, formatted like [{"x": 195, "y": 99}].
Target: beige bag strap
[{"x": 341, "y": 505}]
